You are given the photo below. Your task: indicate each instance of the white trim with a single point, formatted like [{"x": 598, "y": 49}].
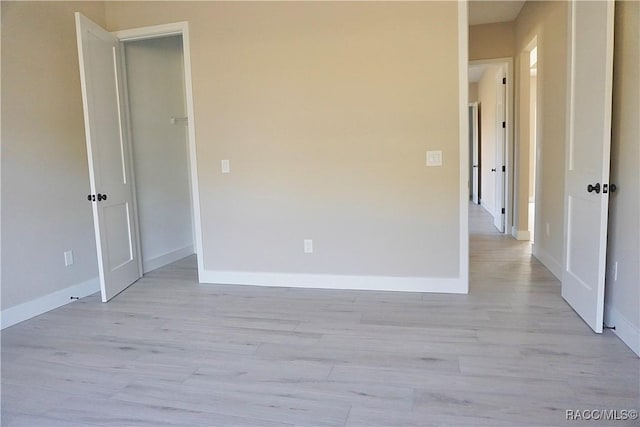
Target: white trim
[
  {"x": 520, "y": 234},
  {"x": 552, "y": 264},
  {"x": 151, "y": 264},
  {"x": 463, "y": 101},
  {"x": 330, "y": 281},
  {"x": 38, "y": 306},
  {"x": 624, "y": 329},
  {"x": 180, "y": 28}
]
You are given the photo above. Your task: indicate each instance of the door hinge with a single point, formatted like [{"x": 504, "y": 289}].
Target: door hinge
[
  {"x": 504, "y": 125},
  {"x": 91, "y": 197},
  {"x": 504, "y": 80},
  {"x": 502, "y": 211},
  {"x": 504, "y": 168}
]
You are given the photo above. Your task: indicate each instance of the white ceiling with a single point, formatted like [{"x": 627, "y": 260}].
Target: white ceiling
[{"x": 490, "y": 11}]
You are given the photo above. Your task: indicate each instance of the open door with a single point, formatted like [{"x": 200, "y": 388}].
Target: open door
[
  {"x": 589, "y": 142},
  {"x": 501, "y": 137},
  {"x": 109, "y": 163}
]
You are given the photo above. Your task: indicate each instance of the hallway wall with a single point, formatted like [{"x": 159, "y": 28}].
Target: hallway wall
[
  {"x": 622, "y": 299},
  {"x": 547, "y": 21}
]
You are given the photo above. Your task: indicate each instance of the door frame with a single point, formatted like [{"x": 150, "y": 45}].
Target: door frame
[
  {"x": 159, "y": 31},
  {"x": 508, "y": 145}
]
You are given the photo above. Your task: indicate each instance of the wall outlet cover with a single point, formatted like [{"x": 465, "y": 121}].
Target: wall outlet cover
[
  {"x": 308, "y": 246},
  {"x": 225, "y": 166},
  {"x": 434, "y": 158}
]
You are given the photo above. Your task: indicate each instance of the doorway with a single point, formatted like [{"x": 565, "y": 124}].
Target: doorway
[
  {"x": 490, "y": 89},
  {"x": 533, "y": 132},
  {"x": 154, "y": 79},
  {"x": 111, "y": 122},
  {"x": 474, "y": 151}
]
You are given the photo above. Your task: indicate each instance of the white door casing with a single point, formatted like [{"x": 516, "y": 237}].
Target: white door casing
[
  {"x": 109, "y": 158},
  {"x": 587, "y": 162}
]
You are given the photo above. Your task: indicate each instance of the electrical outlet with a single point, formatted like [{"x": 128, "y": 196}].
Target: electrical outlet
[
  {"x": 308, "y": 246},
  {"x": 68, "y": 258},
  {"x": 225, "y": 166},
  {"x": 434, "y": 158}
]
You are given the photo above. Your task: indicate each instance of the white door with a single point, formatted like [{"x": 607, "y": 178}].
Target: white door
[
  {"x": 109, "y": 164},
  {"x": 475, "y": 150},
  {"x": 501, "y": 133},
  {"x": 587, "y": 168}
]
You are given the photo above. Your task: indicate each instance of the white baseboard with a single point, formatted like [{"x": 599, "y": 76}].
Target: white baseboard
[
  {"x": 38, "y": 306},
  {"x": 328, "y": 281},
  {"x": 162, "y": 260},
  {"x": 520, "y": 234},
  {"x": 625, "y": 330},
  {"x": 554, "y": 266},
  {"x": 487, "y": 208}
]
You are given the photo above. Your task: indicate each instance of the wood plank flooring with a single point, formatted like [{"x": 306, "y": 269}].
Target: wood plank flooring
[{"x": 170, "y": 352}]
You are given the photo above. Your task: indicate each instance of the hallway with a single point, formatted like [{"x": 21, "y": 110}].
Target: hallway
[{"x": 171, "y": 352}]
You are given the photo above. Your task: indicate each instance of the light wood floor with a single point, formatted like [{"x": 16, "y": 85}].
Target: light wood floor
[{"x": 171, "y": 352}]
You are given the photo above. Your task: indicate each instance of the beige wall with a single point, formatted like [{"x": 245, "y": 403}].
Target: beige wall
[
  {"x": 45, "y": 177},
  {"x": 490, "y": 41},
  {"x": 622, "y": 297},
  {"x": 547, "y": 21},
  {"x": 325, "y": 111}
]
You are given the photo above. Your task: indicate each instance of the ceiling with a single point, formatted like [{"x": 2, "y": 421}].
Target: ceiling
[{"x": 490, "y": 11}]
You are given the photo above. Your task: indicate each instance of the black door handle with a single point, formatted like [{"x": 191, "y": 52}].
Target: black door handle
[
  {"x": 590, "y": 188},
  {"x": 493, "y": 170},
  {"x": 102, "y": 197}
]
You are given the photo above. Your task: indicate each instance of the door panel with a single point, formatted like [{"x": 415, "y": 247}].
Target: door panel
[
  {"x": 108, "y": 157},
  {"x": 589, "y": 141}
]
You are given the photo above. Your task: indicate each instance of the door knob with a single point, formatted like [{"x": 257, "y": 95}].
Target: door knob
[
  {"x": 102, "y": 197},
  {"x": 608, "y": 187},
  {"x": 590, "y": 188}
]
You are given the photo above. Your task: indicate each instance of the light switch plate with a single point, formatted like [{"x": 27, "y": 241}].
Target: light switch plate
[
  {"x": 225, "y": 166},
  {"x": 434, "y": 158},
  {"x": 68, "y": 258},
  {"x": 308, "y": 246}
]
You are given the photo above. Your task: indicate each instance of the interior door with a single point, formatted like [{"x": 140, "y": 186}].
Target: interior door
[
  {"x": 501, "y": 133},
  {"x": 108, "y": 154},
  {"x": 587, "y": 170},
  {"x": 475, "y": 150}
]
